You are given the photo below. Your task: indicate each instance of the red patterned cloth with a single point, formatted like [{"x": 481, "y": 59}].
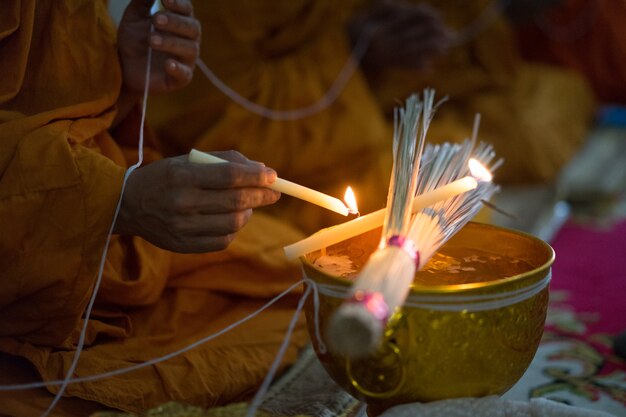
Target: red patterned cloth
[
  {"x": 591, "y": 266},
  {"x": 575, "y": 363}
]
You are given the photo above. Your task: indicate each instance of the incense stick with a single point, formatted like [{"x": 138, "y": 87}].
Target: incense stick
[
  {"x": 357, "y": 326},
  {"x": 433, "y": 226}
]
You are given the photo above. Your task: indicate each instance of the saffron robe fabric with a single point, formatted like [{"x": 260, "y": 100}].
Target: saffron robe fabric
[
  {"x": 285, "y": 55},
  {"x": 536, "y": 115},
  {"x": 61, "y": 170}
]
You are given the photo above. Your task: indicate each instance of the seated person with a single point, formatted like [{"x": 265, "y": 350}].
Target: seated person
[
  {"x": 287, "y": 56},
  {"x": 535, "y": 115},
  {"x": 69, "y": 124}
]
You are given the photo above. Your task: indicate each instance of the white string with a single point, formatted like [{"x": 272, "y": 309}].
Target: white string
[
  {"x": 329, "y": 97},
  {"x": 462, "y": 36},
  {"x": 362, "y": 411},
  {"x": 508, "y": 299},
  {"x": 283, "y": 115},
  {"x": 258, "y": 397},
  {"x": 452, "y": 303},
  {"x": 83, "y": 331},
  {"x": 157, "y": 360},
  {"x": 316, "y": 313}
]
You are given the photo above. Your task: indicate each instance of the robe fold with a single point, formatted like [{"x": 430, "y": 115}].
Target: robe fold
[{"x": 61, "y": 171}]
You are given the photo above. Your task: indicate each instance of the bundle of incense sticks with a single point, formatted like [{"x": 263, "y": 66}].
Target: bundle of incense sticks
[
  {"x": 357, "y": 327},
  {"x": 433, "y": 226}
]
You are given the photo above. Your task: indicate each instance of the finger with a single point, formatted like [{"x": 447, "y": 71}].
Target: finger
[
  {"x": 184, "y": 7},
  {"x": 231, "y": 175},
  {"x": 179, "y": 74},
  {"x": 234, "y": 156},
  {"x": 221, "y": 224},
  {"x": 140, "y": 7},
  {"x": 185, "y": 26},
  {"x": 228, "y": 201},
  {"x": 186, "y": 49}
]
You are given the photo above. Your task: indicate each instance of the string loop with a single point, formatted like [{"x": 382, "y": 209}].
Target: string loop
[{"x": 455, "y": 303}]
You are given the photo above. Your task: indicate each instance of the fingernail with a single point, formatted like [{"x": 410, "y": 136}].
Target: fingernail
[
  {"x": 270, "y": 175},
  {"x": 156, "y": 40},
  {"x": 171, "y": 65},
  {"x": 161, "y": 20}
]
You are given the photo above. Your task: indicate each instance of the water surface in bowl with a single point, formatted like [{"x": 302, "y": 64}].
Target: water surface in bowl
[{"x": 450, "y": 265}]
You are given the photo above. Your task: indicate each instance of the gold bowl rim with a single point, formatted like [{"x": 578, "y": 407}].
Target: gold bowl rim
[{"x": 460, "y": 288}]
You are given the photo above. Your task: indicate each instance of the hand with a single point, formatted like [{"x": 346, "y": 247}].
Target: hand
[
  {"x": 175, "y": 45},
  {"x": 186, "y": 207},
  {"x": 401, "y": 34}
]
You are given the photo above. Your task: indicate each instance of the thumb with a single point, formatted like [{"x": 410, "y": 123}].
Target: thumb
[{"x": 143, "y": 8}]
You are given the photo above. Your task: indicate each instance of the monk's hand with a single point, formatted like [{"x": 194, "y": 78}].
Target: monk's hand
[
  {"x": 175, "y": 44},
  {"x": 192, "y": 208},
  {"x": 401, "y": 34}
]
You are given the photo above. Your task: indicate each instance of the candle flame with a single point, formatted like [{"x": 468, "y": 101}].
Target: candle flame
[
  {"x": 479, "y": 171},
  {"x": 350, "y": 200}
]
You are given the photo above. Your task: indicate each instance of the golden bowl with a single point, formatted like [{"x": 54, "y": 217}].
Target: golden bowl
[{"x": 473, "y": 335}]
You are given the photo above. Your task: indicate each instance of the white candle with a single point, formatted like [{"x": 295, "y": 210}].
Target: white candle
[
  {"x": 341, "y": 232},
  {"x": 283, "y": 186}
]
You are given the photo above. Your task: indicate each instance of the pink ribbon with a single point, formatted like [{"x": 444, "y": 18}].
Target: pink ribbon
[
  {"x": 407, "y": 245},
  {"x": 373, "y": 302}
]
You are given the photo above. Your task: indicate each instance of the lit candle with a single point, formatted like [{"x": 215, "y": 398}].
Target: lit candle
[
  {"x": 283, "y": 186},
  {"x": 350, "y": 200},
  {"x": 479, "y": 171},
  {"x": 341, "y": 232}
]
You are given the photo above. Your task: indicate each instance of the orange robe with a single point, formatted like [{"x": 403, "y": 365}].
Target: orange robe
[
  {"x": 61, "y": 169},
  {"x": 536, "y": 116},
  {"x": 587, "y": 36},
  {"x": 286, "y": 55}
]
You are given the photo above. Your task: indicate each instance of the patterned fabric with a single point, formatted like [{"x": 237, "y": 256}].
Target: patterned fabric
[
  {"x": 490, "y": 407},
  {"x": 574, "y": 366},
  {"x": 576, "y": 363}
]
